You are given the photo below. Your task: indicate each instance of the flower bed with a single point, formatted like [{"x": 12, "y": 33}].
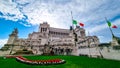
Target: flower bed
[{"x": 39, "y": 62}]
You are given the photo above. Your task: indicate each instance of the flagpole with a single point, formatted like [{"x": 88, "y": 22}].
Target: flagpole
[
  {"x": 74, "y": 48},
  {"x": 72, "y": 20},
  {"x": 72, "y": 23},
  {"x": 111, "y": 31},
  {"x": 110, "y": 28}
]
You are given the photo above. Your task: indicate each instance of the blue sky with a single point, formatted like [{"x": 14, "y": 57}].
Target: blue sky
[{"x": 26, "y": 15}]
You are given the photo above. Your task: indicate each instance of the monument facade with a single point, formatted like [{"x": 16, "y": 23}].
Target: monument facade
[{"x": 59, "y": 41}]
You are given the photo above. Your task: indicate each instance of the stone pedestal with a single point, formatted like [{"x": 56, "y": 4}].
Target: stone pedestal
[
  {"x": 114, "y": 42},
  {"x": 46, "y": 50},
  {"x": 75, "y": 51}
]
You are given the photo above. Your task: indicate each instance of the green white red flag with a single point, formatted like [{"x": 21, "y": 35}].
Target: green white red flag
[
  {"x": 74, "y": 22},
  {"x": 81, "y": 24},
  {"x": 109, "y": 23},
  {"x": 114, "y": 26}
]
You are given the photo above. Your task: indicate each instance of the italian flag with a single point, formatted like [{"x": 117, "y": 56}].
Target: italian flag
[
  {"x": 81, "y": 24},
  {"x": 114, "y": 26},
  {"x": 109, "y": 23},
  {"x": 74, "y": 22}
]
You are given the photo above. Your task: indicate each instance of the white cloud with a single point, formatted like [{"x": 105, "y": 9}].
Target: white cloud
[
  {"x": 27, "y": 25},
  {"x": 10, "y": 11},
  {"x": 116, "y": 22},
  {"x": 57, "y": 12},
  {"x": 103, "y": 39},
  {"x": 103, "y": 26},
  {"x": 2, "y": 42}
]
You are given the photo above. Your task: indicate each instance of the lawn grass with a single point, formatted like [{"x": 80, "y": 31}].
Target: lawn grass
[{"x": 71, "y": 62}]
